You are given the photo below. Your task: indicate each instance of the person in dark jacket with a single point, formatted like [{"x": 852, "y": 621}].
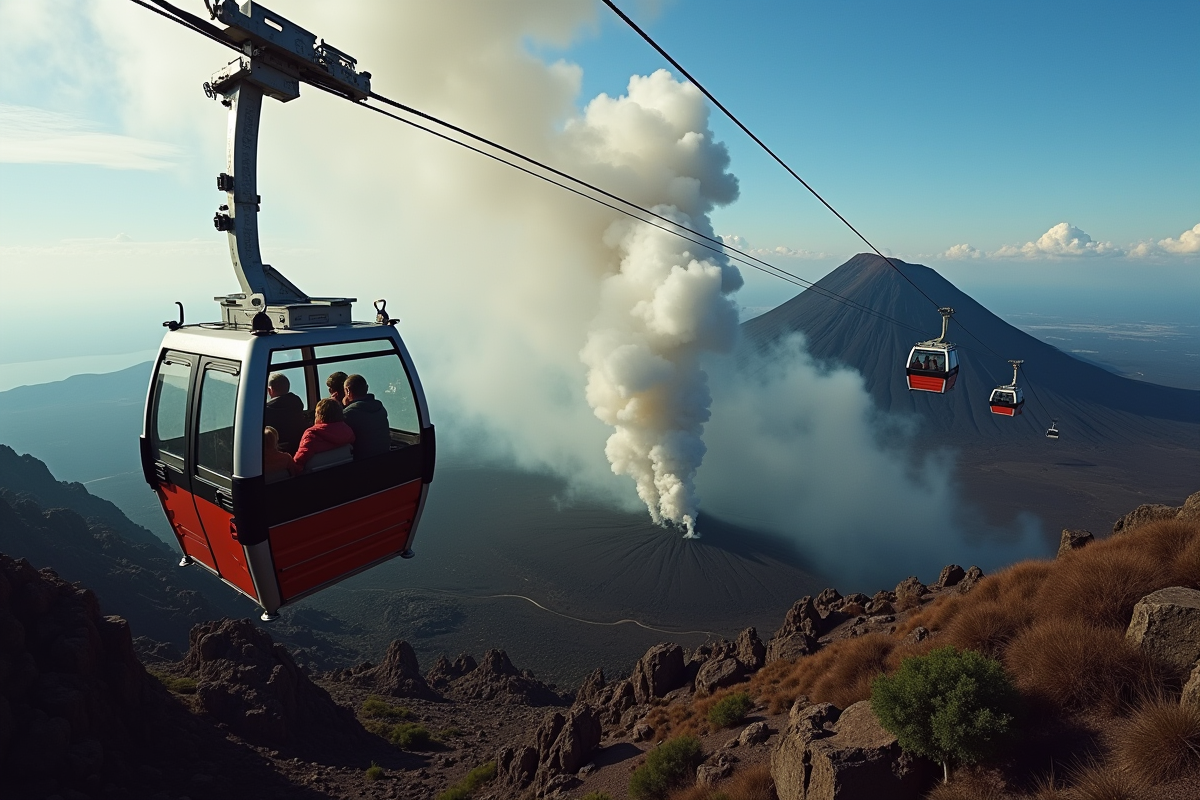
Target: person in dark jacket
[
  {"x": 367, "y": 417},
  {"x": 284, "y": 412}
]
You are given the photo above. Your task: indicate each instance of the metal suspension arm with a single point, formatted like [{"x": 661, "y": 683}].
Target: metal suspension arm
[{"x": 242, "y": 85}]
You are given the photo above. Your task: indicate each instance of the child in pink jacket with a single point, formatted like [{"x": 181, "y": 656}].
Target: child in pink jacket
[{"x": 328, "y": 433}]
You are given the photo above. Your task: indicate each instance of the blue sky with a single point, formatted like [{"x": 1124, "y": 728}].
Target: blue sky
[{"x": 929, "y": 125}]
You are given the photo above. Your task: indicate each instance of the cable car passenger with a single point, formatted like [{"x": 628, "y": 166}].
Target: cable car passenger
[
  {"x": 916, "y": 362},
  {"x": 335, "y": 383},
  {"x": 329, "y": 432},
  {"x": 368, "y": 417},
  {"x": 284, "y": 412},
  {"x": 277, "y": 464}
]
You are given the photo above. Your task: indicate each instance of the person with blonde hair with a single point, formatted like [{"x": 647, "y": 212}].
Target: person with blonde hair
[
  {"x": 329, "y": 432},
  {"x": 274, "y": 459}
]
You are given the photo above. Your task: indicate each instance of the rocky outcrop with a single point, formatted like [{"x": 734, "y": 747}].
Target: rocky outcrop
[
  {"x": 445, "y": 670},
  {"x": 1149, "y": 512},
  {"x": 909, "y": 592},
  {"x": 563, "y": 744},
  {"x": 1190, "y": 510},
  {"x": 497, "y": 680},
  {"x": 658, "y": 672},
  {"x": 76, "y": 706},
  {"x": 1072, "y": 540},
  {"x": 1191, "y": 689},
  {"x": 750, "y": 651},
  {"x": 398, "y": 675},
  {"x": 1166, "y": 626},
  {"x": 970, "y": 580},
  {"x": 249, "y": 682},
  {"x": 855, "y": 757},
  {"x": 798, "y": 634},
  {"x": 828, "y": 600},
  {"x": 951, "y": 575},
  {"x": 719, "y": 673}
]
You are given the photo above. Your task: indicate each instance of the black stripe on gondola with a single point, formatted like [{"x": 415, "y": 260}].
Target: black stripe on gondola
[{"x": 259, "y": 506}]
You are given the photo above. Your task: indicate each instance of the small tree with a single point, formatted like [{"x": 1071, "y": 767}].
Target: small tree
[{"x": 950, "y": 705}]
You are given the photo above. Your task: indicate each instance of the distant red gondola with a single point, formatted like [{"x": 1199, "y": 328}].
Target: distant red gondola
[{"x": 1007, "y": 401}]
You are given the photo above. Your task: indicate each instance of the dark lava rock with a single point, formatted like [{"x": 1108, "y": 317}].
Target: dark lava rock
[
  {"x": 750, "y": 651},
  {"x": 798, "y": 634},
  {"x": 951, "y": 575},
  {"x": 592, "y": 688},
  {"x": 497, "y": 680},
  {"x": 970, "y": 581},
  {"x": 659, "y": 671},
  {"x": 1143, "y": 514},
  {"x": 398, "y": 675},
  {"x": 1072, "y": 540},
  {"x": 76, "y": 706},
  {"x": 908, "y": 593},
  {"x": 563, "y": 743},
  {"x": 445, "y": 670},
  {"x": 828, "y": 600},
  {"x": 719, "y": 674},
  {"x": 250, "y": 683}
]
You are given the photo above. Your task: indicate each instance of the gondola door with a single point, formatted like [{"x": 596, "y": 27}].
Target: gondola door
[
  {"x": 215, "y": 417},
  {"x": 165, "y": 454}
]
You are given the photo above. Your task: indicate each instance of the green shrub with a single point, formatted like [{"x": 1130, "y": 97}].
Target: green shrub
[
  {"x": 448, "y": 733},
  {"x": 670, "y": 765},
  {"x": 470, "y": 782},
  {"x": 374, "y": 772},
  {"x": 949, "y": 705},
  {"x": 375, "y": 707},
  {"x": 731, "y": 710},
  {"x": 410, "y": 736},
  {"x": 174, "y": 684}
]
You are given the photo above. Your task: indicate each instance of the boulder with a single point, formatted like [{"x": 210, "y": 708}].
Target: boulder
[
  {"x": 659, "y": 671},
  {"x": 828, "y": 600},
  {"x": 398, "y": 675},
  {"x": 714, "y": 770},
  {"x": 970, "y": 580},
  {"x": 565, "y": 742},
  {"x": 1191, "y": 689},
  {"x": 1143, "y": 514},
  {"x": 917, "y": 635},
  {"x": 798, "y": 634},
  {"x": 791, "y": 760},
  {"x": 858, "y": 758},
  {"x": 909, "y": 592},
  {"x": 592, "y": 689},
  {"x": 754, "y": 733},
  {"x": 516, "y": 765},
  {"x": 1166, "y": 626},
  {"x": 497, "y": 680},
  {"x": 951, "y": 575},
  {"x": 751, "y": 652},
  {"x": 719, "y": 674},
  {"x": 1072, "y": 540},
  {"x": 247, "y": 681},
  {"x": 1190, "y": 511}
]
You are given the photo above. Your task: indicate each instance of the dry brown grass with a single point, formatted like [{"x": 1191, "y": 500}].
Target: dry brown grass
[
  {"x": 1098, "y": 782},
  {"x": 1160, "y": 741},
  {"x": 1187, "y": 564},
  {"x": 751, "y": 783},
  {"x": 1101, "y": 584},
  {"x": 988, "y": 626},
  {"x": 1076, "y": 666},
  {"x": 841, "y": 674},
  {"x": 967, "y": 786}
]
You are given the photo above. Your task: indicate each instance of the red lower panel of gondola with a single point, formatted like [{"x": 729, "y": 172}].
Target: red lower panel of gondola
[
  {"x": 1006, "y": 411},
  {"x": 181, "y": 513},
  {"x": 926, "y": 383},
  {"x": 231, "y": 558},
  {"x": 323, "y": 547}
]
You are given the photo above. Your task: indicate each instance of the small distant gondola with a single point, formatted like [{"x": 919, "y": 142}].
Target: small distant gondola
[
  {"x": 932, "y": 366},
  {"x": 1007, "y": 401},
  {"x": 1052, "y": 431}
]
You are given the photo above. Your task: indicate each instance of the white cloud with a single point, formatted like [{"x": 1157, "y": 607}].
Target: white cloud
[
  {"x": 1064, "y": 240},
  {"x": 36, "y": 136},
  {"x": 1188, "y": 242},
  {"x": 741, "y": 243},
  {"x": 960, "y": 252}
]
